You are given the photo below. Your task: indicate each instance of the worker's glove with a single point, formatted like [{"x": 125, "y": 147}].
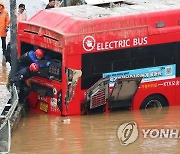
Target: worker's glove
[
  {"x": 7, "y": 29},
  {"x": 48, "y": 63}
]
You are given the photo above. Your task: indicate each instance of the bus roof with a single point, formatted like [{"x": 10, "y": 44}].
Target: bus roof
[
  {"x": 121, "y": 8},
  {"x": 75, "y": 19}
]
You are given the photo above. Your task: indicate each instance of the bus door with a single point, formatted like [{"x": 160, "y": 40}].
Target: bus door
[
  {"x": 123, "y": 92},
  {"x": 120, "y": 95}
]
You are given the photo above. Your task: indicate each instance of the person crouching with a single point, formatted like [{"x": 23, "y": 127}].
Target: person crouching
[{"x": 20, "y": 80}]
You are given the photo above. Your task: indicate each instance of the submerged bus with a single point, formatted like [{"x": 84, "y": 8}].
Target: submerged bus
[{"x": 103, "y": 57}]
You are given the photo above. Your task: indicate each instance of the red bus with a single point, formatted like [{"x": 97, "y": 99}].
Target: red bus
[{"x": 134, "y": 45}]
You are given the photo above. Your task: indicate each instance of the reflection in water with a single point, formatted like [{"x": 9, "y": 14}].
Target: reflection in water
[
  {"x": 4, "y": 71},
  {"x": 41, "y": 133}
]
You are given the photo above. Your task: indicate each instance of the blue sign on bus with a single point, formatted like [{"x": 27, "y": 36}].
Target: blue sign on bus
[{"x": 147, "y": 74}]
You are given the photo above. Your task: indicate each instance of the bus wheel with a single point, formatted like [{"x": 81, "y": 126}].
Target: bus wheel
[
  {"x": 85, "y": 107},
  {"x": 154, "y": 101}
]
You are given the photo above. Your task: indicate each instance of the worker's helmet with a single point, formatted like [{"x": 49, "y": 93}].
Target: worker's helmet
[
  {"x": 34, "y": 67},
  {"x": 39, "y": 53}
]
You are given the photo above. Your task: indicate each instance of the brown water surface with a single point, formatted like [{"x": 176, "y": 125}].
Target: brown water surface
[{"x": 42, "y": 133}]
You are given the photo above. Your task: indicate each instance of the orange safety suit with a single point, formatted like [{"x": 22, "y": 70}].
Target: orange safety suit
[{"x": 4, "y": 21}]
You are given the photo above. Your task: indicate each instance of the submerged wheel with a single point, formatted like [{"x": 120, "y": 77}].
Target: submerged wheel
[
  {"x": 154, "y": 101},
  {"x": 85, "y": 107}
]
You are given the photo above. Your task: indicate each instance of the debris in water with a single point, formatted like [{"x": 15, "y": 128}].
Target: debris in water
[{"x": 66, "y": 121}]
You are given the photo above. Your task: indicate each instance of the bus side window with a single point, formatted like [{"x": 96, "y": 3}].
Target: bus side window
[
  {"x": 164, "y": 60},
  {"x": 144, "y": 62},
  {"x": 122, "y": 65}
]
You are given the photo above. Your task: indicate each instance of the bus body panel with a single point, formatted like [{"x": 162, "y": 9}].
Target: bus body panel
[
  {"x": 80, "y": 42},
  {"x": 151, "y": 88}
]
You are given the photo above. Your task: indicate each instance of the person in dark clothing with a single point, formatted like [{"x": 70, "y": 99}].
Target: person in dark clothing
[
  {"x": 31, "y": 57},
  {"x": 51, "y": 4},
  {"x": 27, "y": 59},
  {"x": 7, "y": 54},
  {"x": 4, "y": 25},
  {"x": 26, "y": 73},
  {"x": 20, "y": 80},
  {"x": 36, "y": 56}
]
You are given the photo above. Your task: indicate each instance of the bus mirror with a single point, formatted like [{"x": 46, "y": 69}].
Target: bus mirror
[
  {"x": 72, "y": 76},
  {"x": 76, "y": 75}
]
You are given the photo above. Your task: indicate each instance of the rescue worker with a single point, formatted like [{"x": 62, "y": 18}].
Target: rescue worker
[
  {"x": 27, "y": 59},
  {"x": 4, "y": 25},
  {"x": 29, "y": 65},
  {"x": 20, "y": 80},
  {"x": 36, "y": 56}
]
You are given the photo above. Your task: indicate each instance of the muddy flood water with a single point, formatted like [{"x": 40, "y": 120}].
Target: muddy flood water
[
  {"x": 99, "y": 133},
  {"x": 130, "y": 132}
]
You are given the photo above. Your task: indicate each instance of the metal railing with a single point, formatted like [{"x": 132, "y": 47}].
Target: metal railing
[{"x": 6, "y": 121}]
